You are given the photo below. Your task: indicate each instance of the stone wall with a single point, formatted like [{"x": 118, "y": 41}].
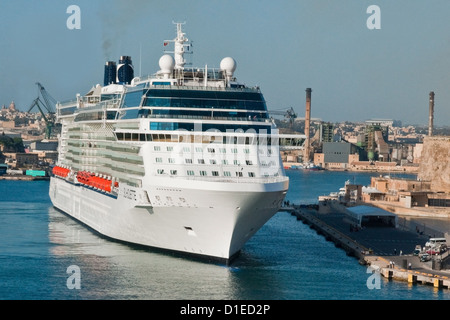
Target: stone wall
[{"x": 435, "y": 163}]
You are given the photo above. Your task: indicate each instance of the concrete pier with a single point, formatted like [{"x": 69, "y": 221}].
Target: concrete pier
[
  {"x": 374, "y": 247},
  {"x": 23, "y": 178},
  {"x": 351, "y": 247}
]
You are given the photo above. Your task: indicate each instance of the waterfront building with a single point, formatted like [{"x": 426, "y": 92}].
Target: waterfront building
[
  {"x": 430, "y": 192},
  {"x": 337, "y": 155}
]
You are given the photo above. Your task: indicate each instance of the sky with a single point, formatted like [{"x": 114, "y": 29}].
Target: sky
[{"x": 356, "y": 73}]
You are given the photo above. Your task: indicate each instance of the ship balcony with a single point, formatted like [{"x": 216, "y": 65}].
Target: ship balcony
[{"x": 257, "y": 180}]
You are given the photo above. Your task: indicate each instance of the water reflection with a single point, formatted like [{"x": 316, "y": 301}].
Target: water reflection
[{"x": 114, "y": 270}]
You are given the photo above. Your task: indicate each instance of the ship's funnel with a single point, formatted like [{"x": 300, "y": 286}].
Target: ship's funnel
[
  {"x": 125, "y": 70},
  {"x": 110, "y": 73}
]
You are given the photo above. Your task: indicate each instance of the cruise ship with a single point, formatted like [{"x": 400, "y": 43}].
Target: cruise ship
[{"x": 185, "y": 160}]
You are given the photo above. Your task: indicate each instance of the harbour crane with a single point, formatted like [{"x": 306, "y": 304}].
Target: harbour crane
[
  {"x": 48, "y": 104},
  {"x": 288, "y": 114}
]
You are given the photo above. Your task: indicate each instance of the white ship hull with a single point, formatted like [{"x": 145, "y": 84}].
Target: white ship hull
[{"x": 214, "y": 221}]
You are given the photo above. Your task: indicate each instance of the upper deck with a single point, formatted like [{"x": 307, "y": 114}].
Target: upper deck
[{"x": 175, "y": 97}]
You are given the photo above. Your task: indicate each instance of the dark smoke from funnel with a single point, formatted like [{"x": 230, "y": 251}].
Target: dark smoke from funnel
[
  {"x": 106, "y": 46},
  {"x": 116, "y": 17}
]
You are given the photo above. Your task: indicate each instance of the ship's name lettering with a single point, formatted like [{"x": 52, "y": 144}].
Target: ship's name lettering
[
  {"x": 129, "y": 194},
  {"x": 168, "y": 189}
]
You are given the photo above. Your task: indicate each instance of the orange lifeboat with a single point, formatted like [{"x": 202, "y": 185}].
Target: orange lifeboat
[
  {"x": 60, "y": 172},
  {"x": 84, "y": 177},
  {"x": 91, "y": 180}
]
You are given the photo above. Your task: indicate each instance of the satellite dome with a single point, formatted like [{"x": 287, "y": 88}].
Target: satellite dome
[
  {"x": 167, "y": 64},
  {"x": 228, "y": 65}
]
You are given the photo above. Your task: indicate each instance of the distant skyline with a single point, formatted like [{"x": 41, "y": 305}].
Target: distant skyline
[{"x": 356, "y": 73}]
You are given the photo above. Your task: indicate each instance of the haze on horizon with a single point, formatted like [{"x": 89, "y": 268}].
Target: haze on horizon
[{"x": 283, "y": 46}]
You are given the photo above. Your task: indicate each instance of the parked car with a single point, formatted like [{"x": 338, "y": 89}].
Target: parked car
[
  {"x": 425, "y": 257},
  {"x": 417, "y": 250}
]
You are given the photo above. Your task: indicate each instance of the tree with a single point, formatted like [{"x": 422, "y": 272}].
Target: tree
[{"x": 12, "y": 144}]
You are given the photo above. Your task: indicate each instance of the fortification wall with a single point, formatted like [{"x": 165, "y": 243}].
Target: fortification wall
[{"x": 435, "y": 163}]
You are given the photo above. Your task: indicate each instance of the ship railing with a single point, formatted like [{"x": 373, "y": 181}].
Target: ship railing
[
  {"x": 107, "y": 104},
  {"x": 208, "y": 88},
  {"x": 67, "y": 103},
  {"x": 200, "y": 85},
  {"x": 88, "y": 103},
  {"x": 166, "y": 116}
]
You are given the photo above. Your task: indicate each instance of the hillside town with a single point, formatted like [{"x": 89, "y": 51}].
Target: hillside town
[{"x": 24, "y": 144}]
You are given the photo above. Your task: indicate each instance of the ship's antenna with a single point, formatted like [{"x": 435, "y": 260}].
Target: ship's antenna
[
  {"x": 182, "y": 45},
  {"x": 140, "y": 60}
]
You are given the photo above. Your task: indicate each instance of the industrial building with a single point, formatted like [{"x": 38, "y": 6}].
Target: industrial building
[{"x": 337, "y": 155}]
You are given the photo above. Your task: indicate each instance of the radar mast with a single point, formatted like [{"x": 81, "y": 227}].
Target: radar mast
[{"x": 182, "y": 45}]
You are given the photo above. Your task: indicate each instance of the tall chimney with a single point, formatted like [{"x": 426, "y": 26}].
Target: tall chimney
[
  {"x": 431, "y": 114},
  {"x": 306, "y": 157}
]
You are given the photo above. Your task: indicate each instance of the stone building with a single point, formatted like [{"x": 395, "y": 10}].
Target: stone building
[
  {"x": 431, "y": 188},
  {"x": 406, "y": 192}
]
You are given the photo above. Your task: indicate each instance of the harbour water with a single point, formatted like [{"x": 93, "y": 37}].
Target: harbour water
[{"x": 286, "y": 260}]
